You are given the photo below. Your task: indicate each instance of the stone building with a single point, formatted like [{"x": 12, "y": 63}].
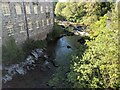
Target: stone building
[{"x": 22, "y": 20}]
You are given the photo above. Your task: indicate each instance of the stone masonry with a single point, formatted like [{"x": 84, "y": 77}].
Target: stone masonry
[{"x": 18, "y": 16}]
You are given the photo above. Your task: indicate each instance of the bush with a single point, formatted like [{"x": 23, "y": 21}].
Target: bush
[
  {"x": 12, "y": 53},
  {"x": 57, "y": 31},
  {"x": 99, "y": 66},
  {"x": 31, "y": 44},
  {"x": 70, "y": 29}
]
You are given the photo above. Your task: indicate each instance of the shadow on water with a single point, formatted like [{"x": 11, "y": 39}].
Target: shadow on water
[
  {"x": 59, "y": 51},
  {"x": 64, "y": 50}
]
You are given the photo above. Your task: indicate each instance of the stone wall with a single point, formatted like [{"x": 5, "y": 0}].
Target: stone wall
[{"x": 41, "y": 24}]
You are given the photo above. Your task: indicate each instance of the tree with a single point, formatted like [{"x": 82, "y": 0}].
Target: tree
[
  {"x": 99, "y": 66},
  {"x": 81, "y": 11},
  {"x": 58, "y": 10}
]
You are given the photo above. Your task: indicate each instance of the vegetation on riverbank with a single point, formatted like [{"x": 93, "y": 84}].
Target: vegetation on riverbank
[
  {"x": 31, "y": 44},
  {"x": 57, "y": 31},
  {"x": 97, "y": 66},
  {"x": 82, "y": 12},
  {"x": 13, "y": 53}
]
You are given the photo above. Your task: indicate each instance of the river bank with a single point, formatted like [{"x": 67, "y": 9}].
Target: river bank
[{"x": 38, "y": 78}]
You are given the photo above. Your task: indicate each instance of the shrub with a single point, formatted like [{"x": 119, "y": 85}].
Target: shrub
[
  {"x": 99, "y": 66},
  {"x": 70, "y": 29},
  {"x": 31, "y": 44},
  {"x": 12, "y": 53},
  {"x": 57, "y": 31}
]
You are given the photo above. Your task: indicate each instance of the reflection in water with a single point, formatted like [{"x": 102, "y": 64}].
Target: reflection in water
[{"x": 62, "y": 51}]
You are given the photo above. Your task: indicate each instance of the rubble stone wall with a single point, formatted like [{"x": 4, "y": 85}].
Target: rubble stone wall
[{"x": 15, "y": 20}]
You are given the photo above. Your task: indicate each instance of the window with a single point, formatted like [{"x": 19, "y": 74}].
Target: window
[
  {"x": 51, "y": 9},
  {"x": 43, "y": 23},
  {"x": 28, "y": 9},
  {"x": 40, "y": 23},
  {"x": 37, "y": 24},
  {"x": 30, "y": 25},
  {"x": 47, "y": 9},
  {"x": 41, "y": 8},
  {"x": 47, "y": 0},
  {"x": 18, "y": 9},
  {"x": 47, "y": 21},
  {"x": 51, "y": 21},
  {"x": 6, "y": 8},
  {"x": 10, "y": 30},
  {"x": 21, "y": 27},
  {"x": 35, "y": 9},
  {"x": 47, "y": 14}
]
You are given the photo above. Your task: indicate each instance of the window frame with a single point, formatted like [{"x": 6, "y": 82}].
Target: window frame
[
  {"x": 30, "y": 26},
  {"x": 35, "y": 11},
  {"x": 51, "y": 21},
  {"x": 43, "y": 23},
  {"x": 17, "y": 10},
  {"x": 37, "y": 24},
  {"x": 47, "y": 9},
  {"x": 41, "y": 9},
  {"x": 10, "y": 30},
  {"x": 28, "y": 9},
  {"x": 22, "y": 27},
  {"x": 6, "y": 9},
  {"x": 48, "y": 23}
]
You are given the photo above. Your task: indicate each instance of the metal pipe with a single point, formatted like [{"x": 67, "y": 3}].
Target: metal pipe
[{"x": 26, "y": 22}]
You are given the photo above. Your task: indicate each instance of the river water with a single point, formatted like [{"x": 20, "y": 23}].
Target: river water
[{"x": 59, "y": 50}]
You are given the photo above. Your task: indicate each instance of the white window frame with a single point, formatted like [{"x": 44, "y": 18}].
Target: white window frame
[
  {"x": 47, "y": 9},
  {"x": 10, "y": 30},
  {"x": 48, "y": 22},
  {"x": 35, "y": 9},
  {"x": 28, "y": 10},
  {"x": 47, "y": 0},
  {"x": 6, "y": 8},
  {"x": 52, "y": 21},
  {"x": 18, "y": 9},
  {"x": 51, "y": 9},
  {"x": 22, "y": 27},
  {"x": 43, "y": 23},
  {"x": 41, "y": 9},
  {"x": 37, "y": 24},
  {"x": 30, "y": 26},
  {"x": 40, "y": 23}
]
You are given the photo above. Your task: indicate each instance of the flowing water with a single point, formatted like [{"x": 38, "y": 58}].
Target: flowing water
[{"x": 59, "y": 50}]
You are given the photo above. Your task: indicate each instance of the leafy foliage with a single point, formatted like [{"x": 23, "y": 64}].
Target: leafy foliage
[
  {"x": 59, "y": 78},
  {"x": 96, "y": 66},
  {"x": 81, "y": 11},
  {"x": 57, "y": 31},
  {"x": 99, "y": 65},
  {"x": 31, "y": 44},
  {"x": 12, "y": 53}
]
